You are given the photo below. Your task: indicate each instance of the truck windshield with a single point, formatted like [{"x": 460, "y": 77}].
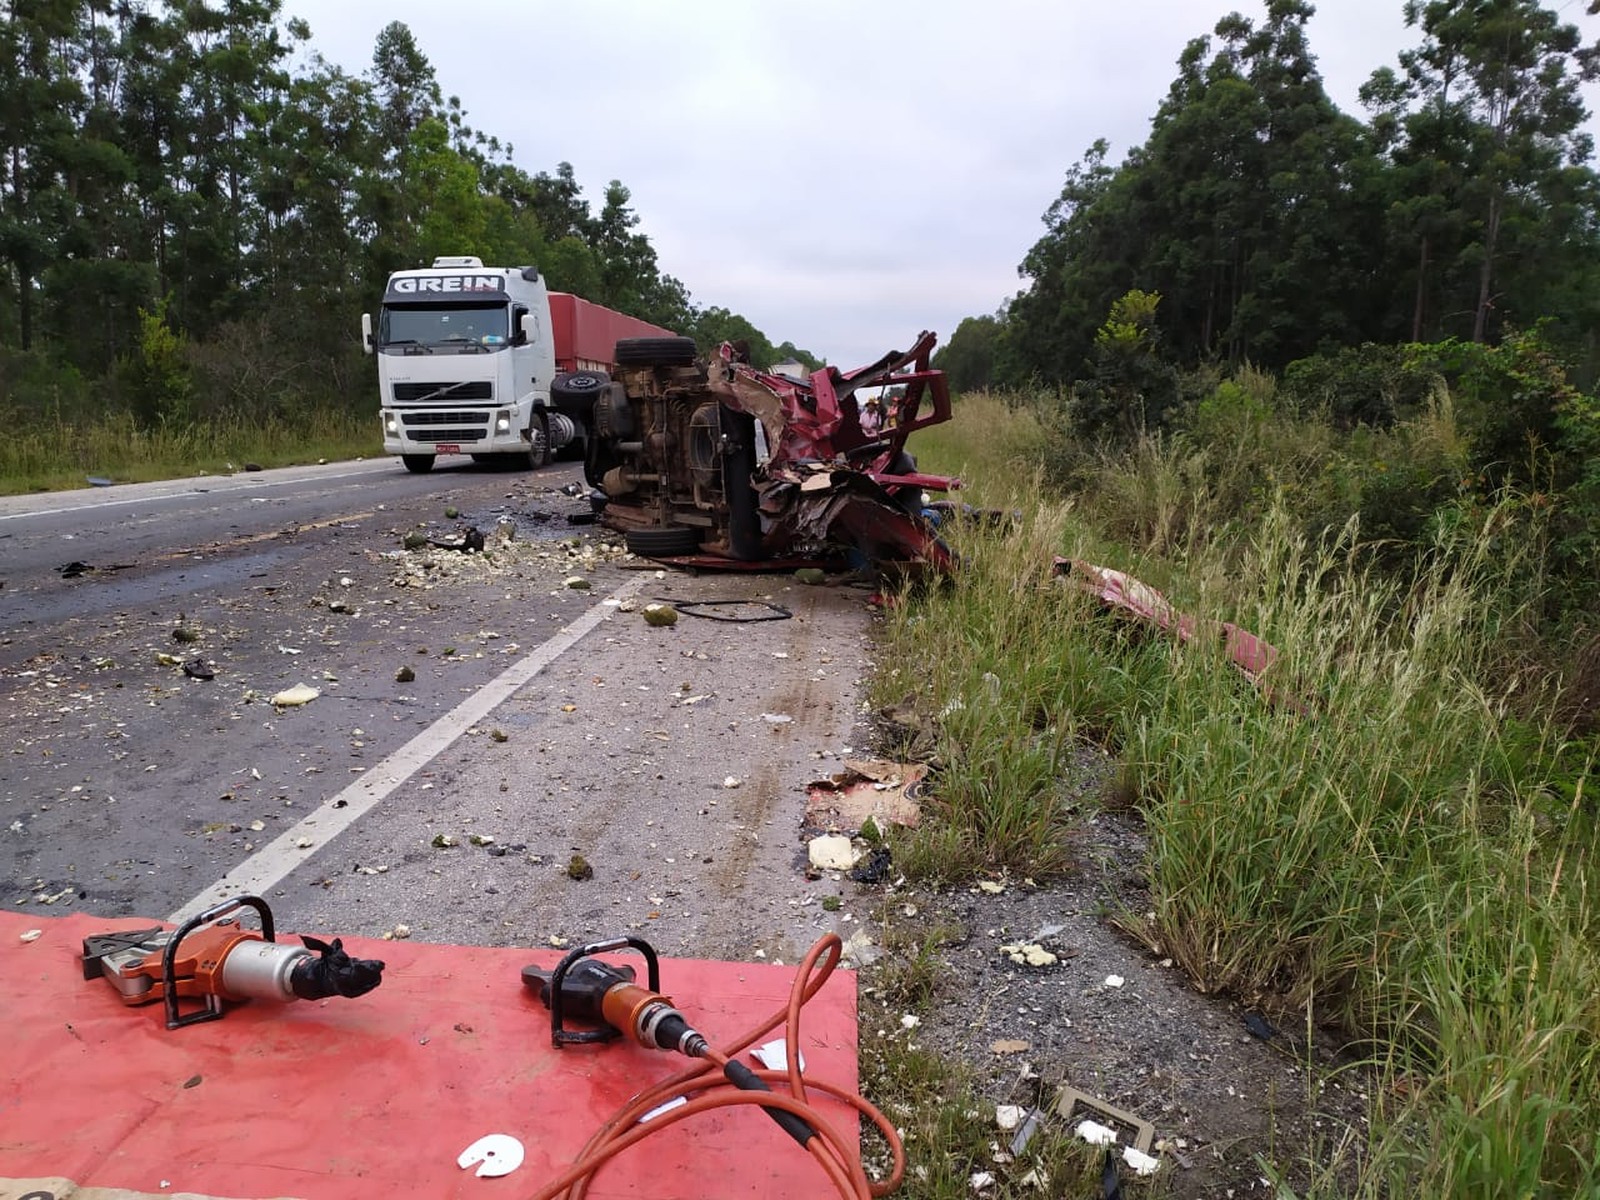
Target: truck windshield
[{"x": 472, "y": 325}]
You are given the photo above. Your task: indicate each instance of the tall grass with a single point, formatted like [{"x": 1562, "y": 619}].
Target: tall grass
[
  {"x": 1386, "y": 838},
  {"x": 49, "y": 451}
]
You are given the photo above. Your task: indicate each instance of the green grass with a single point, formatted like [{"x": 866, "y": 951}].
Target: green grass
[
  {"x": 50, "y": 453},
  {"x": 1395, "y": 840}
]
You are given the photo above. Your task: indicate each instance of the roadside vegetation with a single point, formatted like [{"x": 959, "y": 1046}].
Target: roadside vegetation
[
  {"x": 1392, "y": 837},
  {"x": 198, "y": 207}
]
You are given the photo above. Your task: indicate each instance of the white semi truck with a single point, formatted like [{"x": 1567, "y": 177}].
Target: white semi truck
[{"x": 468, "y": 357}]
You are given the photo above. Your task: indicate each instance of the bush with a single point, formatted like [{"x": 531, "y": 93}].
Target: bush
[
  {"x": 155, "y": 377},
  {"x": 1358, "y": 385}
]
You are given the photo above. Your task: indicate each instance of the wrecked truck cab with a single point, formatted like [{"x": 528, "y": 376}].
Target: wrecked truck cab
[{"x": 717, "y": 463}]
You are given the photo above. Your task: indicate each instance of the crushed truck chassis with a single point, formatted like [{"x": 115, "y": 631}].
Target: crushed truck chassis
[{"x": 722, "y": 465}]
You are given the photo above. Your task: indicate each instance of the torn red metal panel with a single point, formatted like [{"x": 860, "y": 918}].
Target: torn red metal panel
[{"x": 1123, "y": 592}]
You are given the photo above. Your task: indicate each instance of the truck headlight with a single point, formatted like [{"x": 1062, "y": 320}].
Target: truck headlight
[
  {"x": 502, "y": 422},
  {"x": 390, "y": 425}
]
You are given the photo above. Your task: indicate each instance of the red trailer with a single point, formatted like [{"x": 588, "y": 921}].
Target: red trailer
[{"x": 586, "y": 334}]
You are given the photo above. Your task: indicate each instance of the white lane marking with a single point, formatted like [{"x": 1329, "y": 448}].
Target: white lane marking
[
  {"x": 274, "y": 861},
  {"x": 220, "y": 489}
]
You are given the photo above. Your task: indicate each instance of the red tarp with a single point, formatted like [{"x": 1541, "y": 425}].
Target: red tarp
[{"x": 376, "y": 1096}]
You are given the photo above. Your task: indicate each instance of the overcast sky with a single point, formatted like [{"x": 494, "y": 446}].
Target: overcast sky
[{"x": 844, "y": 173}]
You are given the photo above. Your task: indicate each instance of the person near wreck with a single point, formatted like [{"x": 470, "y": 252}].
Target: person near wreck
[{"x": 871, "y": 418}]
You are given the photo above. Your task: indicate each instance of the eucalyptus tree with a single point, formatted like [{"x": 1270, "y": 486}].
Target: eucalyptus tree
[{"x": 1493, "y": 116}]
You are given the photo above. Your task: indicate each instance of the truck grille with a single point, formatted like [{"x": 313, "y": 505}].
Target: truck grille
[
  {"x": 431, "y": 417},
  {"x": 445, "y": 426},
  {"x": 448, "y": 435},
  {"x": 444, "y": 393}
]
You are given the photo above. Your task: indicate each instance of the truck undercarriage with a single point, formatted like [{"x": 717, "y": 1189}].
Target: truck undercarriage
[{"x": 721, "y": 464}]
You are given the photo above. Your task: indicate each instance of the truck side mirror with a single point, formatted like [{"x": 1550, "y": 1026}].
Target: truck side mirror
[
  {"x": 366, "y": 333},
  {"x": 527, "y": 328}
]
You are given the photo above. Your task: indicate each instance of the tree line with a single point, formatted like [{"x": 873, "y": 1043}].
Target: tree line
[
  {"x": 176, "y": 193},
  {"x": 1412, "y": 299},
  {"x": 1273, "y": 226}
]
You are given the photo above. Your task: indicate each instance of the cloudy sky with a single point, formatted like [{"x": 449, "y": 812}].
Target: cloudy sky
[{"x": 844, "y": 173}]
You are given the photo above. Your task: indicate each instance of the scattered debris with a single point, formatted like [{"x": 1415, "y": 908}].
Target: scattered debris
[
  {"x": 774, "y": 1056},
  {"x": 860, "y": 950},
  {"x": 867, "y": 790},
  {"x": 1009, "y": 1046},
  {"x": 299, "y": 694},
  {"x": 1139, "y": 1161},
  {"x": 831, "y": 852},
  {"x": 731, "y": 781},
  {"x": 444, "y": 841},
  {"x": 1259, "y": 1026},
  {"x": 578, "y": 868},
  {"x": 873, "y": 867},
  {"x": 576, "y": 583},
  {"x": 1070, "y": 1101},
  {"x": 811, "y": 576},
  {"x": 398, "y": 934},
  {"x": 496, "y": 1154},
  {"x": 660, "y": 615},
  {"x": 1115, "y": 981},
  {"x": 471, "y": 542},
  {"x": 31, "y": 935},
  {"x": 1008, "y": 1116},
  {"x": 199, "y": 668},
  {"x": 185, "y": 634},
  {"x": 1029, "y": 954},
  {"x": 741, "y": 613},
  {"x": 1124, "y": 593},
  {"x": 415, "y": 540},
  {"x": 1030, "y": 1126},
  {"x": 451, "y": 513},
  {"x": 1095, "y": 1133},
  {"x": 404, "y": 675},
  {"x": 499, "y": 735}
]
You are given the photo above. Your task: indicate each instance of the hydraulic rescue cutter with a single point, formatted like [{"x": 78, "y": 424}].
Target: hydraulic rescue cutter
[{"x": 212, "y": 958}]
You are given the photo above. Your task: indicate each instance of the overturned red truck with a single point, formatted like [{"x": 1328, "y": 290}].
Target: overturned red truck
[{"x": 723, "y": 464}]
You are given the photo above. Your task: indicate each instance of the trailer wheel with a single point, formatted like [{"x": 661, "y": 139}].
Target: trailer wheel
[
  {"x": 418, "y": 464},
  {"x": 665, "y": 542},
  {"x": 656, "y": 352}
]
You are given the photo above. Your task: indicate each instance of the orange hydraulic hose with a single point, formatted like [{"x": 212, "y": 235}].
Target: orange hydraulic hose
[{"x": 704, "y": 1089}]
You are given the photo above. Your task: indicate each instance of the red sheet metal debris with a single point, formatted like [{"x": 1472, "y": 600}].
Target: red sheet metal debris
[
  {"x": 335, "y": 1100},
  {"x": 1248, "y": 652}
]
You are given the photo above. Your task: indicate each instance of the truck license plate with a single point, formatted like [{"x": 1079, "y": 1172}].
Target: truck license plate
[{"x": 447, "y": 448}]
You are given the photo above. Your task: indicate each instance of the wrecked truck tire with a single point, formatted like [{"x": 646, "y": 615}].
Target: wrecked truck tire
[
  {"x": 656, "y": 352},
  {"x": 418, "y": 464},
  {"x": 665, "y": 542}
]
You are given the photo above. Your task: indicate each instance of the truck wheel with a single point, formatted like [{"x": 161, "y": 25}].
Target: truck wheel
[
  {"x": 418, "y": 464},
  {"x": 665, "y": 542},
  {"x": 656, "y": 352},
  {"x": 577, "y": 389},
  {"x": 538, "y": 443}
]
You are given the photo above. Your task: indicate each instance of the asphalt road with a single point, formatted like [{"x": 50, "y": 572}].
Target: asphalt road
[{"x": 542, "y": 720}]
